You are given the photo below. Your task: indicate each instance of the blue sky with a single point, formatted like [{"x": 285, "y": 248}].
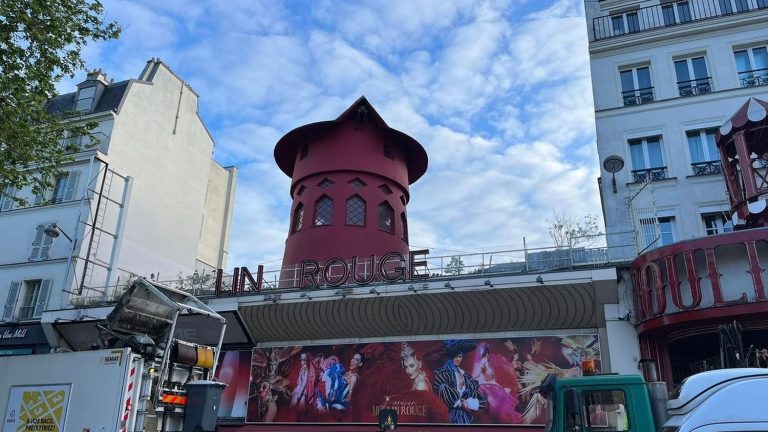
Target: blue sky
[{"x": 497, "y": 91}]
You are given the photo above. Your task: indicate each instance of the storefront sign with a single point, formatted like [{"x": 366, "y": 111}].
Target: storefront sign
[
  {"x": 22, "y": 335},
  {"x": 417, "y": 380},
  {"x": 36, "y": 408}
]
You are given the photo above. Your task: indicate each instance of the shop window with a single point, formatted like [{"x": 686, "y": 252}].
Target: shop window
[
  {"x": 298, "y": 217},
  {"x": 386, "y": 217},
  {"x": 41, "y": 245},
  {"x": 636, "y": 87},
  {"x": 355, "y": 211},
  {"x": 323, "y": 211}
]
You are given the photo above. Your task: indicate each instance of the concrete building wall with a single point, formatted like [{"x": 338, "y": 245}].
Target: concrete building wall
[{"x": 216, "y": 225}]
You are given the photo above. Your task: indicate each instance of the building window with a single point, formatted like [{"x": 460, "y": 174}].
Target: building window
[
  {"x": 752, "y": 64},
  {"x": 625, "y": 23},
  {"x": 386, "y": 217},
  {"x": 6, "y": 201},
  {"x": 636, "y": 85},
  {"x": 85, "y": 98},
  {"x": 298, "y": 217},
  {"x": 692, "y": 76},
  {"x": 323, "y": 211},
  {"x": 658, "y": 231},
  {"x": 705, "y": 159},
  {"x": 385, "y": 189},
  {"x": 41, "y": 245},
  {"x": 325, "y": 183},
  {"x": 300, "y": 190},
  {"x": 356, "y": 211},
  {"x": 357, "y": 183},
  {"x": 647, "y": 159},
  {"x": 404, "y": 224},
  {"x": 26, "y": 299},
  {"x": 388, "y": 152},
  {"x": 731, "y": 6},
  {"x": 64, "y": 189},
  {"x": 304, "y": 152},
  {"x": 716, "y": 223},
  {"x": 674, "y": 13}
]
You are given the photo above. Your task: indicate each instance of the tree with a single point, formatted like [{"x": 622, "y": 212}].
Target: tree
[
  {"x": 40, "y": 43},
  {"x": 455, "y": 266},
  {"x": 566, "y": 230}
]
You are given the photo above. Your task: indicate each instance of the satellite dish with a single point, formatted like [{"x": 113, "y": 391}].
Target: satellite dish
[{"x": 613, "y": 164}]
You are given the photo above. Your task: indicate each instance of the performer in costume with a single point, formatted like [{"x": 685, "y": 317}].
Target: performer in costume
[
  {"x": 498, "y": 383},
  {"x": 456, "y": 388},
  {"x": 304, "y": 392},
  {"x": 412, "y": 367}
]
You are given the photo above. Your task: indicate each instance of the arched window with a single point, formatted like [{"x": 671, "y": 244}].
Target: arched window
[
  {"x": 404, "y": 224},
  {"x": 323, "y": 211},
  {"x": 356, "y": 211},
  {"x": 386, "y": 217},
  {"x": 298, "y": 217}
]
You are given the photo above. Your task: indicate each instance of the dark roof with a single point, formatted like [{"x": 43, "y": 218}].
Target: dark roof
[
  {"x": 109, "y": 100},
  {"x": 288, "y": 145}
]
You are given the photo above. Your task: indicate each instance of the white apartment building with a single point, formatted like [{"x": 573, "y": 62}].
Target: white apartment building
[
  {"x": 665, "y": 76},
  {"x": 144, "y": 198}
]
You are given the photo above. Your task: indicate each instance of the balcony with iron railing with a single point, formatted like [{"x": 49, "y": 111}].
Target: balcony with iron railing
[
  {"x": 85, "y": 142},
  {"x": 638, "y": 96},
  {"x": 754, "y": 77},
  {"x": 649, "y": 174},
  {"x": 669, "y": 14},
  {"x": 706, "y": 168},
  {"x": 695, "y": 86}
]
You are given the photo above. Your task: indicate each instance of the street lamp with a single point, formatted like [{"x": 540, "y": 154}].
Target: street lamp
[{"x": 53, "y": 231}]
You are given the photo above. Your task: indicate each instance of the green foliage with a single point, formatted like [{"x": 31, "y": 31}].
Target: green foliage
[
  {"x": 40, "y": 43},
  {"x": 566, "y": 230},
  {"x": 455, "y": 266}
]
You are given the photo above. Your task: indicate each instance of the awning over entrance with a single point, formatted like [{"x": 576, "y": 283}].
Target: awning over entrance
[{"x": 487, "y": 309}]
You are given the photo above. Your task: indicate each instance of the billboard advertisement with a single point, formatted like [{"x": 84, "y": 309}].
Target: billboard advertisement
[
  {"x": 459, "y": 381},
  {"x": 234, "y": 371},
  {"x": 36, "y": 408}
]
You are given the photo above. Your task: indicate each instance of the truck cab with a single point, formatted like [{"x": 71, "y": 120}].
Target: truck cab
[{"x": 604, "y": 403}]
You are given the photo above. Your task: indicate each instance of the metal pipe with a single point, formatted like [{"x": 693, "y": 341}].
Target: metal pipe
[
  {"x": 127, "y": 187},
  {"x": 164, "y": 363},
  {"x": 218, "y": 350}
]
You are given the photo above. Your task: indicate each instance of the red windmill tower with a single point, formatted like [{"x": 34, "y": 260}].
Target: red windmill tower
[{"x": 349, "y": 186}]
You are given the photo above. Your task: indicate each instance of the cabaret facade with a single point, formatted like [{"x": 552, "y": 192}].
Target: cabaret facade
[
  {"x": 354, "y": 322},
  {"x": 677, "y": 88}
]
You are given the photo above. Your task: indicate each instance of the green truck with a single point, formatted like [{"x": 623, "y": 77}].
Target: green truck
[{"x": 714, "y": 401}]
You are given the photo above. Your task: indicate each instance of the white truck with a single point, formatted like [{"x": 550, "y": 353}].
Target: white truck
[{"x": 141, "y": 381}]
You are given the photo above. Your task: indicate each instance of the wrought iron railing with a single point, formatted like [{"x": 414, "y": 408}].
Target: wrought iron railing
[
  {"x": 652, "y": 174},
  {"x": 638, "y": 96},
  {"x": 667, "y": 15},
  {"x": 695, "y": 86},
  {"x": 85, "y": 142},
  {"x": 754, "y": 77},
  {"x": 706, "y": 168}
]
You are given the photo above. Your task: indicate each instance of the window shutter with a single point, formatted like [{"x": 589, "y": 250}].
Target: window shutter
[
  {"x": 74, "y": 176},
  {"x": 10, "y": 303},
  {"x": 37, "y": 243},
  {"x": 42, "y": 298},
  {"x": 10, "y": 192},
  {"x": 45, "y": 248}
]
